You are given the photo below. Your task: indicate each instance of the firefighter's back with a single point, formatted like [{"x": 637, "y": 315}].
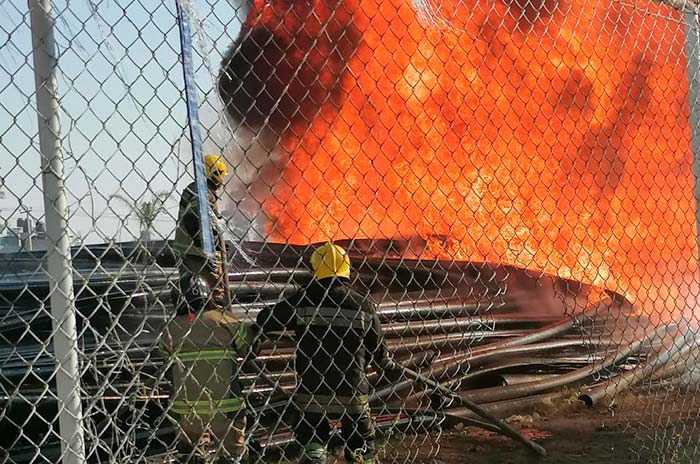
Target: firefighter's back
[
  {"x": 332, "y": 320},
  {"x": 206, "y": 394}
]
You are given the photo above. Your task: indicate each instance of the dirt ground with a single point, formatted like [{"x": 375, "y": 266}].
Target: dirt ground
[
  {"x": 655, "y": 429},
  {"x": 643, "y": 429}
]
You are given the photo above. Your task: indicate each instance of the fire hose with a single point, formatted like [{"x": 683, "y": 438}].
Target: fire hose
[
  {"x": 491, "y": 419},
  {"x": 247, "y": 362},
  {"x": 504, "y": 428}
]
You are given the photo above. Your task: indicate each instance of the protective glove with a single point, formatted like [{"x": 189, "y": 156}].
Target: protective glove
[{"x": 388, "y": 365}]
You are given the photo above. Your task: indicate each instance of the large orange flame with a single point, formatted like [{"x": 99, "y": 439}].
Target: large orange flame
[{"x": 553, "y": 136}]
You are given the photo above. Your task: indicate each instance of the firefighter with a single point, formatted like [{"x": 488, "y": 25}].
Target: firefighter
[
  {"x": 337, "y": 335},
  {"x": 205, "y": 340},
  {"x": 188, "y": 240},
  {"x": 204, "y": 344}
]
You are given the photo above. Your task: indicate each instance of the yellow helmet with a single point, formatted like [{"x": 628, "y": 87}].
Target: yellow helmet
[
  {"x": 215, "y": 168},
  {"x": 330, "y": 260}
]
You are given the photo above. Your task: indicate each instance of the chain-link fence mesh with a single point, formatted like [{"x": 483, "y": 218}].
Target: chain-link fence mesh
[{"x": 513, "y": 184}]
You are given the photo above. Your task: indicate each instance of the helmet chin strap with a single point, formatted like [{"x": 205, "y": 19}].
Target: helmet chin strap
[{"x": 214, "y": 184}]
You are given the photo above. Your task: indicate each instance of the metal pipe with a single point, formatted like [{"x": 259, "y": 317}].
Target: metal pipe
[
  {"x": 514, "y": 379},
  {"x": 454, "y": 384},
  {"x": 553, "y": 329},
  {"x": 443, "y": 370},
  {"x": 386, "y": 314},
  {"x": 417, "y": 340},
  {"x": 509, "y": 407},
  {"x": 285, "y": 353},
  {"x": 286, "y": 388},
  {"x": 415, "y": 343},
  {"x": 394, "y": 389},
  {"x": 432, "y": 326},
  {"x": 488, "y": 395},
  {"x": 608, "y": 390},
  {"x": 470, "y": 379},
  {"x": 689, "y": 381},
  {"x": 682, "y": 362},
  {"x": 398, "y": 299},
  {"x": 554, "y": 363},
  {"x": 450, "y": 419},
  {"x": 286, "y": 380},
  {"x": 280, "y": 377},
  {"x": 460, "y": 361},
  {"x": 451, "y": 339},
  {"x": 398, "y": 316},
  {"x": 414, "y": 361},
  {"x": 262, "y": 288},
  {"x": 266, "y": 275},
  {"x": 60, "y": 270},
  {"x": 428, "y": 311},
  {"x": 467, "y": 403},
  {"x": 426, "y": 302}
]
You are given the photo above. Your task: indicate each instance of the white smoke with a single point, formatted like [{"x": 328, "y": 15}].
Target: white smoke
[
  {"x": 244, "y": 151},
  {"x": 257, "y": 162}
]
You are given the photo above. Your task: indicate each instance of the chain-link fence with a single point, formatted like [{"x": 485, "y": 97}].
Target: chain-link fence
[{"x": 513, "y": 185}]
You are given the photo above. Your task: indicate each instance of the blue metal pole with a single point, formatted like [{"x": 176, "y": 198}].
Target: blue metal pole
[{"x": 184, "y": 22}]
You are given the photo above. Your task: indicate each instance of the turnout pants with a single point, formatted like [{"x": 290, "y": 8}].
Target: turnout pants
[
  {"x": 206, "y": 398},
  {"x": 313, "y": 433}
]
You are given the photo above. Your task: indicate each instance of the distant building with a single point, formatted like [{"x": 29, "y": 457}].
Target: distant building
[
  {"x": 26, "y": 236},
  {"x": 9, "y": 242}
]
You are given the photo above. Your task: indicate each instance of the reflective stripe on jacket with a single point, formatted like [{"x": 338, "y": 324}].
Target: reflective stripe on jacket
[
  {"x": 338, "y": 334},
  {"x": 208, "y": 407},
  {"x": 205, "y": 372}
]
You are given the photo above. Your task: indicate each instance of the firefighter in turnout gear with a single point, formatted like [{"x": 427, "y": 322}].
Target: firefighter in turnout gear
[
  {"x": 188, "y": 240},
  {"x": 337, "y": 334},
  {"x": 204, "y": 342}
]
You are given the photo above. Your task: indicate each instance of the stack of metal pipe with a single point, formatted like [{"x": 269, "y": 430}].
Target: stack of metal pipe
[{"x": 497, "y": 335}]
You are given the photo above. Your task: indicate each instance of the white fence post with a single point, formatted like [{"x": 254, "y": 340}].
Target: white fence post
[{"x": 65, "y": 341}]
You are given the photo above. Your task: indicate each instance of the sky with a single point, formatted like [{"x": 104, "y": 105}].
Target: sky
[{"x": 123, "y": 118}]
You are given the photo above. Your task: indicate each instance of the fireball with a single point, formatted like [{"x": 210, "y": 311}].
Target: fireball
[{"x": 545, "y": 134}]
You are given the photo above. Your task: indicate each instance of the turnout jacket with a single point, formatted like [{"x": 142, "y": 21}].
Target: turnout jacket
[
  {"x": 338, "y": 335},
  {"x": 188, "y": 240},
  {"x": 205, "y": 371}
]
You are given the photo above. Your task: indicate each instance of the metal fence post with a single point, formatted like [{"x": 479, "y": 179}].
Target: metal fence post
[
  {"x": 692, "y": 44},
  {"x": 58, "y": 244}
]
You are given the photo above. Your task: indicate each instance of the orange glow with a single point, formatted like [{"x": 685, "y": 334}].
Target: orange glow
[{"x": 550, "y": 136}]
